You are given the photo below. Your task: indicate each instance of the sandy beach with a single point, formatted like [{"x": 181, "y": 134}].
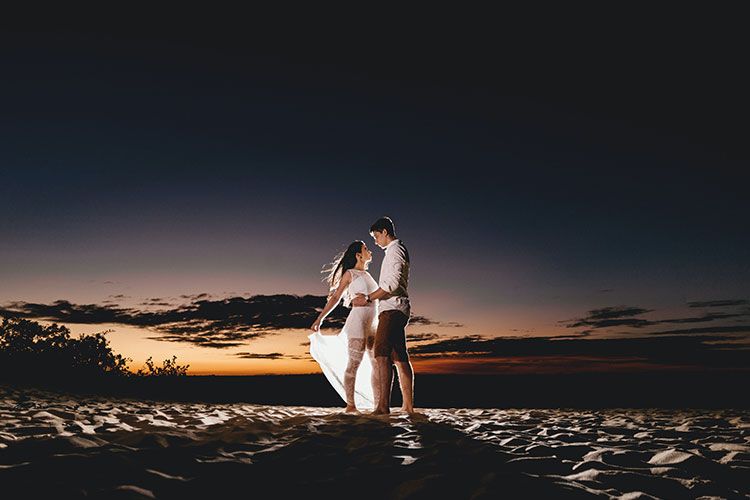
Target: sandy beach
[{"x": 61, "y": 446}]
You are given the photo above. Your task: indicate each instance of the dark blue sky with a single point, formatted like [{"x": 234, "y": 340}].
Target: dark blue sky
[{"x": 527, "y": 169}]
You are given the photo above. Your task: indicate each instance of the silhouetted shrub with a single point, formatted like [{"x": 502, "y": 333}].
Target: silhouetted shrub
[
  {"x": 169, "y": 368},
  {"x": 32, "y": 352}
]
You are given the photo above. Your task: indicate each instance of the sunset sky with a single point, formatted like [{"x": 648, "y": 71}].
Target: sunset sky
[{"x": 568, "y": 205}]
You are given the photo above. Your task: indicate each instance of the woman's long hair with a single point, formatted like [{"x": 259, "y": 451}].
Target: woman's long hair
[{"x": 341, "y": 263}]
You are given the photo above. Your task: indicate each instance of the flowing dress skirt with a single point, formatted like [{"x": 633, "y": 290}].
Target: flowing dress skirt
[{"x": 332, "y": 354}]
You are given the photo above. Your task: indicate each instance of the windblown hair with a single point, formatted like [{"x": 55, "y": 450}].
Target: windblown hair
[
  {"x": 341, "y": 263},
  {"x": 384, "y": 223}
]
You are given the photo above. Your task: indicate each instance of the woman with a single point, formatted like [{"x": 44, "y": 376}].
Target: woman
[{"x": 341, "y": 356}]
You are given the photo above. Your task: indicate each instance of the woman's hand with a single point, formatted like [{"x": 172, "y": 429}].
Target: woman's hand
[{"x": 316, "y": 326}]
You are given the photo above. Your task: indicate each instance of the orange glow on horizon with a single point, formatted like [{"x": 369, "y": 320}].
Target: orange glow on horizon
[
  {"x": 138, "y": 344},
  {"x": 453, "y": 365}
]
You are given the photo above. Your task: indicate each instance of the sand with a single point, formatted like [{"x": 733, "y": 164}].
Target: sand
[{"x": 61, "y": 446}]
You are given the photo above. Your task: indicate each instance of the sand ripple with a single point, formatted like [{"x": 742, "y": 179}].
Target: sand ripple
[{"x": 63, "y": 446}]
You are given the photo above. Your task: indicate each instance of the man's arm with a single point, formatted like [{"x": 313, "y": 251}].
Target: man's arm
[{"x": 361, "y": 299}]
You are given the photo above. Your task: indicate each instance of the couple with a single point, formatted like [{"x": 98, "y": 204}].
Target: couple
[{"x": 375, "y": 325}]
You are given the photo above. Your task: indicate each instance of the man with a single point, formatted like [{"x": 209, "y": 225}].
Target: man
[{"x": 394, "y": 309}]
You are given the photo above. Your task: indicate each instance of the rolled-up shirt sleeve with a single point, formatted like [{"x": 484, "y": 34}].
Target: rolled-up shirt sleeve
[{"x": 393, "y": 265}]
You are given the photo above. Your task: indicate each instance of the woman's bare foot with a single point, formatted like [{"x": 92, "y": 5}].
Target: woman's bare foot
[
  {"x": 381, "y": 411},
  {"x": 409, "y": 410},
  {"x": 351, "y": 409}
]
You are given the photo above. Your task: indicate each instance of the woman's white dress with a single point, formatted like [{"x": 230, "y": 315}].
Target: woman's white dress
[{"x": 332, "y": 351}]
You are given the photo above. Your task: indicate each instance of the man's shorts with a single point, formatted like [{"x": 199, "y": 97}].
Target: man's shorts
[{"x": 390, "y": 337}]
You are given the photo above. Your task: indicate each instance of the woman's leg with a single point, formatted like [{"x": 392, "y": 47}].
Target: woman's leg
[
  {"x": 374, "y": 380},
  {"x": 356, "y": 351}
]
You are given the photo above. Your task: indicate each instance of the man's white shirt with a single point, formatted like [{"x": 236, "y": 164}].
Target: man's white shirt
[{"x": 394, "y": 278}]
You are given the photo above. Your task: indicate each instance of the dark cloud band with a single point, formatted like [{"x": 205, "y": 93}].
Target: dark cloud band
[
  {"x": 714, "y": 351},
  {"x": 220, "y": 323},
  {"x": 623, "y": 316}
]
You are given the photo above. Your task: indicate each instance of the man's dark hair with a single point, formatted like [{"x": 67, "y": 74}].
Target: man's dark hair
[{"x": 384, "y": 223}]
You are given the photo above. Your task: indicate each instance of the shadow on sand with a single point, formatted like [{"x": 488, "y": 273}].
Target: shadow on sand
[{"x": 332, "y": 455}]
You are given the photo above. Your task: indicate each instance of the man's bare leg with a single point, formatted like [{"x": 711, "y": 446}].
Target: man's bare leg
[
  {"x": 385, "y": 379},
  {"x": 406, "y": 382}
]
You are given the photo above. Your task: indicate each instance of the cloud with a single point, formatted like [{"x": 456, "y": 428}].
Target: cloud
[
  {"x": 625, "y": 316},
  {"x": 577, "y": 335},
  {"x": 421, "y": 320},
  {"x": 215, "y": 344},
  {"x": 719, "y": 303},
  {"x": 273, "y": 356},
  {"x": 611, "y": 316},
  {"x": 157, "y": 301},
  {"x": 256, "y": 355},
  {"x": 702, "y": 319},
  {"x": 196, "y": 296},
  {"x": 421, "y": 337},
  {"x": 709, "y": 329},
  {"x": 105, "y": 282}
]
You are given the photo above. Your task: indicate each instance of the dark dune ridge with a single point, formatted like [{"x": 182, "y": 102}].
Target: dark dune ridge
[
  {"x": 54, "y": 445},
  {"x": 718, "y": 389}
]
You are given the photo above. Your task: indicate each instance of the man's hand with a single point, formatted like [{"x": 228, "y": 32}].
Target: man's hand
[
  {"x": 316, "y": 326},
  {"x": 359, "y": 300}
]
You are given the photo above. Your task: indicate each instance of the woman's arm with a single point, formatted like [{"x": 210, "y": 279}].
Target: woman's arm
[{"x": 346, "y": 279}]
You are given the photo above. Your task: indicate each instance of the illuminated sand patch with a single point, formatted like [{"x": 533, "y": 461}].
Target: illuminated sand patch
[{"x": 141, "y": 449}]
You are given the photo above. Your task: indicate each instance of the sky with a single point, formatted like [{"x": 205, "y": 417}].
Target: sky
[{"x": 574, "y": 198}]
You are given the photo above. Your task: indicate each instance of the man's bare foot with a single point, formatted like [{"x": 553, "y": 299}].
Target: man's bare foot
[
  {"x": 381, "y": 411},
  {"x": 351, "y": 409}
]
